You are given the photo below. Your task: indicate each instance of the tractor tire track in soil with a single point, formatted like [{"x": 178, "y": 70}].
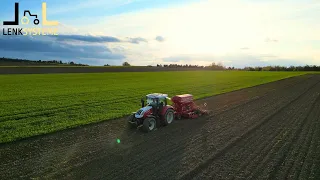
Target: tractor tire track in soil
[
  {"x": 269, "y": 131},
  {"x": 252, "y": 153},
  {"x": 250, "y": 131}
]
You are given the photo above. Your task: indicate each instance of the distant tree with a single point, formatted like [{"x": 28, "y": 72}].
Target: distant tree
[
  {"x": 126, "y": 64},
  {"x": 215, "y": 66},
  {"x": 106, "y": 65}
]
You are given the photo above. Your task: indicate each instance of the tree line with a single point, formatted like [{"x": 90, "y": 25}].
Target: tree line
[
  {"x": 220, "y": 66},
  {"x": 24, "y": 62},
  {"x": 213, "y": 66},
  {"x": 284, "y": 68}
]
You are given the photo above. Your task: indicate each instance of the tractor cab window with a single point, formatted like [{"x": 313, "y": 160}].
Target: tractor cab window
[
  {"x": 151, "y": 101},
  {"x": 156, "y": 101}
]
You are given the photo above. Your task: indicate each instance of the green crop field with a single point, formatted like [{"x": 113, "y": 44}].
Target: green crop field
[{"x": 42, "y": 103}]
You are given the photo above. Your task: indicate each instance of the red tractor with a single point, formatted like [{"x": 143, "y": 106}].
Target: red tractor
[{"x": 157, "y": 111}]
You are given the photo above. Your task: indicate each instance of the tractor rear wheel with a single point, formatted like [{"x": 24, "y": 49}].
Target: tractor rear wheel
[
  {"x": 168, "y": 117},
  {"x": 149, "y": 124}
]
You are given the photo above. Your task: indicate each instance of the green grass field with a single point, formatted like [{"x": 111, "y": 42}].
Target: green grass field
[{"x": 42, "y": 103}]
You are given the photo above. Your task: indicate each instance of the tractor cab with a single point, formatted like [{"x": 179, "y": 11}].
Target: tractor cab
[
  {"x": 154, "y": 102},
  {"x": 155, "y": 99},
  {"x": 154, "y": 111}
]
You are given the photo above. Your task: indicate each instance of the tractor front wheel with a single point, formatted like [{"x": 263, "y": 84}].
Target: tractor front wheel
[
  {"x": 168, "y": 117},
  {"x": 149, "y": 124},
  {"x": 130, "y": 119}
]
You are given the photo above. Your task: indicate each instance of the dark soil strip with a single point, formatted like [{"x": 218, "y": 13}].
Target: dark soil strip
[{"x": 238, "y": 139}]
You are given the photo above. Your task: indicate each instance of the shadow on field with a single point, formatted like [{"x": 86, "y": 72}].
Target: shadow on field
[{"x": 156, "y": 155}]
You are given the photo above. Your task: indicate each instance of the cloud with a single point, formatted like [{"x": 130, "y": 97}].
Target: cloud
[
  {"x": 88, "y": 4},
  {"x": 244, "y": 48},
  {"x": 160, "y": 38},
  {"x": 91, "y": 39},
  {"x": 268, "y": 56},
  {"x": 177, "y": 59},
  {"x": 137, "y": 40},
  {"x": 44, "y": 48},
  {"x": 98, "y": 39},
  {"x": 269, "y": 40},
  {"x": 250, "y": 26},
  {"x": 255, "y": 26}
]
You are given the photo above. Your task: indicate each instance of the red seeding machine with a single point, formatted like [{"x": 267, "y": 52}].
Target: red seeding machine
[
  {"x": 184, "y": 106},
  {"x": 156, "y": 111}
]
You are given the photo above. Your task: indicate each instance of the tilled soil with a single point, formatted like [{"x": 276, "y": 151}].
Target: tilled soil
[{"x": 271, "y": 131}]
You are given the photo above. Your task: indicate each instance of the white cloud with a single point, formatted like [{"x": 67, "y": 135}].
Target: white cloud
[
  {"x": 84, "y": 4},
  {"x": 160, "y": 38},
  {"x": 213, "y": 28}
]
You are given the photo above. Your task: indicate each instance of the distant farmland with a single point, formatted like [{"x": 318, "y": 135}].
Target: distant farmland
[
  {"x": 42, "y": 103},
  {"x": 89, "y": 69}
]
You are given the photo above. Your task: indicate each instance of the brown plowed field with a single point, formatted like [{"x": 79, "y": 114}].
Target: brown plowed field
[{"x": 270, "y": 131}]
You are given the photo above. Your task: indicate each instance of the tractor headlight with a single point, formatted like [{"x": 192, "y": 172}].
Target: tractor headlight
[{"x": 140, "y": 112}]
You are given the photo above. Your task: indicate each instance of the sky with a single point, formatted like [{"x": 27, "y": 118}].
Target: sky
[{"x": 235, "y": 33}]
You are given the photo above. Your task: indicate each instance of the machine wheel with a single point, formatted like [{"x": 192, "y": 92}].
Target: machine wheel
[
  {"x": 168, "y": 117},
  {"x": 130, "y": 118},
  {"x": 36, "y": 21},
  {"x": 149, "y": 124}
]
